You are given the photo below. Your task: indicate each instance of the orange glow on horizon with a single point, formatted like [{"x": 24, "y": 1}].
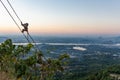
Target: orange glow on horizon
[
  {"x": 76, "y": 30},
  {"x": 53, "y": 29}
]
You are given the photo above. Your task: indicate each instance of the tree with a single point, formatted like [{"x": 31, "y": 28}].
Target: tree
[{"x": 14, "y": 60}]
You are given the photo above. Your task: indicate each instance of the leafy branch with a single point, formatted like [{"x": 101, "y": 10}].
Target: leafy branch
[{"x": 14, "y": 60}]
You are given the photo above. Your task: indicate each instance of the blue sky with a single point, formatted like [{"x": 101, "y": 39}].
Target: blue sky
[{"x": 65, "y": 16}]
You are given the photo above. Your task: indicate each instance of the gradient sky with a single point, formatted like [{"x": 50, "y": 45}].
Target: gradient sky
[{"x": 62, "y": 17}]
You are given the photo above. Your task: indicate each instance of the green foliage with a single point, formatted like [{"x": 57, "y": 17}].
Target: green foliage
[
  {"x": 105, "y": 74},
  {"x": 13, "y": 61}
]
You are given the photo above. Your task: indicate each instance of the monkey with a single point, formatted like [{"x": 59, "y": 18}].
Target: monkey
[{"x": 25, "y": 25}]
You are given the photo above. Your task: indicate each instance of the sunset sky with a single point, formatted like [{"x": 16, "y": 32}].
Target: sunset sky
[{"x": 63, "y": 17}]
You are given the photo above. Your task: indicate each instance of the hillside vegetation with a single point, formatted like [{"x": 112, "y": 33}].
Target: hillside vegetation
[
  {"x": 17, "y": 63},
  {"x": 110, "y": 73}
]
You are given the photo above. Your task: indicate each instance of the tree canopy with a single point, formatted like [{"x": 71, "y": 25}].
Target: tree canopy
[{"x": 16, "y": 61}]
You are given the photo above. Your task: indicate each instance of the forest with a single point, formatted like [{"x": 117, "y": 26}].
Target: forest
[{"x": 24, "y": 62}]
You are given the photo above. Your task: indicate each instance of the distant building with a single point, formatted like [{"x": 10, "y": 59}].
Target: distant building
[{"x": 115, "y": 76}]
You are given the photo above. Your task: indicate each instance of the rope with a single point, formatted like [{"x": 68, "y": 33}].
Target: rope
[
  {"x": 32, "y": 40},
  {"x": 21, "y": 21},
  {"x": 19, "y": 26},
  {"x": 14, "y": 10},
  {"x": 14, "y": 20},
  {"x": 36, "y": 45}
]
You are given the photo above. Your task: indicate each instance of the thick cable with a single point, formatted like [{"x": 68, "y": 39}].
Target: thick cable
[
  {"x": 14, "y": 20},
  {"x": 19, "y": 26},
  {"x": 14, "y": 10},
  {"x": 21, "y": 21},
  {"x": 36, "y": 45}
]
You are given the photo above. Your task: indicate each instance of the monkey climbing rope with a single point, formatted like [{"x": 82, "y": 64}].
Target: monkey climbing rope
[
  {"x": 28, "y": 34},
  {"x": 14, "y": 20},
  {"x": 19, "y": 18},
  {"x": 17, "y": 23}
]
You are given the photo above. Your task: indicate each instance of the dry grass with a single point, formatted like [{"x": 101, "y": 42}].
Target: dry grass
[{"x": 4, "y": 76}]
